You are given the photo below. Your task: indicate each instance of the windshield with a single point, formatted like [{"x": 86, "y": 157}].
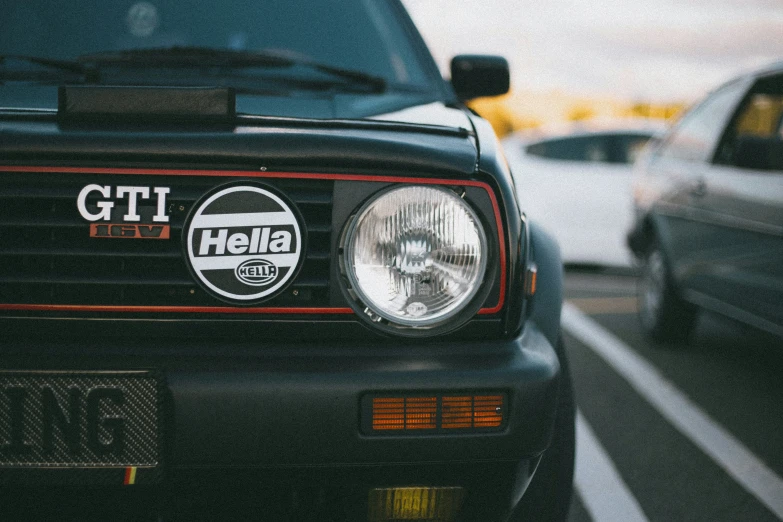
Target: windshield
[{"x": 365, "y": 36}]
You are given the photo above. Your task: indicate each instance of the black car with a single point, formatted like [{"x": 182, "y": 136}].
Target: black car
[
  {"x": 258, "y": 261},
  {"x": 709, "y": 212}
]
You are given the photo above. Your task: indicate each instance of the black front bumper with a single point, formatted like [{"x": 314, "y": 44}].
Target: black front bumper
[
  {"x": 291, "y": 414},
  {"x": 300, "y": 407}
]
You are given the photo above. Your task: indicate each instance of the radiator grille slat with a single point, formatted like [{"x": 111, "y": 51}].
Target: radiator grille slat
[{"x": 47, "y": 256}]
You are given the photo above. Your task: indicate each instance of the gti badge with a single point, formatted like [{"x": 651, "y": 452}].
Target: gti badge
[
  {"x": 124, "y": 212},
  {"x": 244, "y": 242}
]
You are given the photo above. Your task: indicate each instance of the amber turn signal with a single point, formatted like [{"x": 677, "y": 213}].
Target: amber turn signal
[
  {"x": 531, "y": 280},
  {"x": 442, "y": 413}
]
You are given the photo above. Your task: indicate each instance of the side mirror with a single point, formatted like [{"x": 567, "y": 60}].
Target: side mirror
[
  {"x": 759, "y": 153},
  {"x": 473, "y": 76}
]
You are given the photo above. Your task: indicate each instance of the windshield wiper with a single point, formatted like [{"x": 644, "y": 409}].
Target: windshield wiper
[
  {"x": 206, "y": 56},
  {"x": 63, "y": 65}
]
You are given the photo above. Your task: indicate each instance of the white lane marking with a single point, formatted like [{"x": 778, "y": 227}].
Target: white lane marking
[
  {"x": 715, "y": 441},
  {"x": 603, "y": 492},
  {"x": 606, "y": 305}
]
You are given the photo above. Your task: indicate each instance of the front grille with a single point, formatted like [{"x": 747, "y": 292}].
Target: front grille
[{"x": 47, "y": 256}]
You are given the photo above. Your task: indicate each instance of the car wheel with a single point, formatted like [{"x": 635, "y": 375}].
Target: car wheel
[
  {"x": 664, "y": 315},
  {"x": 548, "y": 497}
]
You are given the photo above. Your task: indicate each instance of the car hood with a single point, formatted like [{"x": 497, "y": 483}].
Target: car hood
[
  {"x": 388, "y": 106},
  {"x": 428, "y": 137}
]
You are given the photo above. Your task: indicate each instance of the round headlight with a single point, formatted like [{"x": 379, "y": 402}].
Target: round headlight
[{"x": 415, "y": 256}]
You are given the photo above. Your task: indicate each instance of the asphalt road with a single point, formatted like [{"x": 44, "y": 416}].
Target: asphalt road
[{"x": 671, "y": 432}]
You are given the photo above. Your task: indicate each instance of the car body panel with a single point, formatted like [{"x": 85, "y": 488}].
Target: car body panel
[
  {"x": 720, "y": 225},
  {"x": 243, "y": 409},
  {"x": 271, "y": 391},
  {"x": 391, "y": 106},
  {"x": 262, "y": 142}
]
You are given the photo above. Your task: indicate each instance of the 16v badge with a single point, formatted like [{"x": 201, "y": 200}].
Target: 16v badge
[{"x": 127, "y": 212}]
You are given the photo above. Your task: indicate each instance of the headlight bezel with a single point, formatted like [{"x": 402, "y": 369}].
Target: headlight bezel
[{"x": 469, "y": 308}]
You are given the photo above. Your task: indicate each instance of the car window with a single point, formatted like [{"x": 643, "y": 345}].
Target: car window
[
  {"x": 580, "y": 148},
  {"x": 754, "y": 138},
  {"x": 628, "y": 147},
  {"x": 696, "y": 136},
  {"x": 363, "y": 35},
  {"x": 599, "y": 148},
  {"x": 761, "y": 117}
]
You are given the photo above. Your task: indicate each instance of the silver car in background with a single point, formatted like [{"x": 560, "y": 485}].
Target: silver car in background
[{"x": 709, "y": 212}]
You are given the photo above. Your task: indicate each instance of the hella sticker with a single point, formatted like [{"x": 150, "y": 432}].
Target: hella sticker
[
  {"x": 125, "y": 211},
  {"x": 256, "y": 272},
  {"x": 244, "y": 242}
]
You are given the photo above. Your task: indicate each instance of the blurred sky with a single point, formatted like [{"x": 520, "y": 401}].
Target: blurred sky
[{"x": 645, "y": 50}]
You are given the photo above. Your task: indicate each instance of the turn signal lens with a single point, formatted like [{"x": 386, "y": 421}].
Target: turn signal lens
[
  {"x": 532, "y": 280},
  {"x": 412, "y": 413},
  {"x": 393, "y": 504},
  {"x": 435, "y": 413},
  {"x": 487, "y": 411}
]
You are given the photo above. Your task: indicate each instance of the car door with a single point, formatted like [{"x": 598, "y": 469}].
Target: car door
[
  {"x": 742, "y": 204},
  {"x": 677, "y": 170}
]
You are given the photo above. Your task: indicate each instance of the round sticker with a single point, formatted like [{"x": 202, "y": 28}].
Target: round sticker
[{"x": 244, "y": 242}]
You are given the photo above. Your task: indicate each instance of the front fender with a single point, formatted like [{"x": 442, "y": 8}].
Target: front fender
[{"x": 547, "y": 302}]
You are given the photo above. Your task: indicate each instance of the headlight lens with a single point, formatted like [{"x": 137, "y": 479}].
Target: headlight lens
[{"x": 415, "y": 255}]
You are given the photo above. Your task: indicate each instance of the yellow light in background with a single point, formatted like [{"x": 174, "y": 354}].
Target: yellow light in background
[{"x": 440, "y": 504}]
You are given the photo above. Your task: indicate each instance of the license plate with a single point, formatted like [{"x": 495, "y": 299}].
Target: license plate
[{"x": 78, "y": 420}]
